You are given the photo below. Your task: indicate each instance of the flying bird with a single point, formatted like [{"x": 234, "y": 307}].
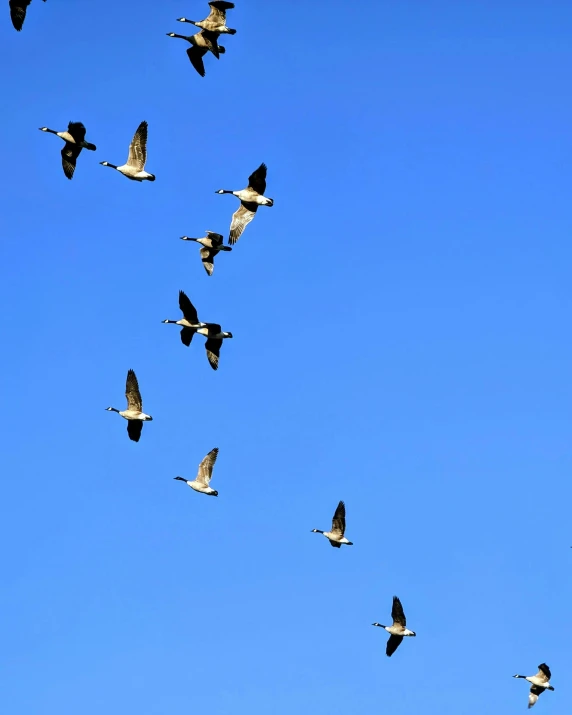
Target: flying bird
[
  {"x": 74, "y": 139},
  {"x": 134, "y": 168},
  {"x": 250, "y": 199},
  {"x": 211, "y": 244},
  {"x": 336, "y": 535},
  {"x": 201, "y": 43},
  {"x": 216, "y": 20},
  {"x": 18, "y": 12},
  {"x": 397, "y": 630},
  {"x": 134, "y": 412},
  {"x": 191, "y": 324},
  {"x": 202, "y": 481},
  {"x": 539, "y": 683}
]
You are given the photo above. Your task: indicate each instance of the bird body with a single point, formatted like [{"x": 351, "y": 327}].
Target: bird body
[
  {"x": 74, "y": 139},
  {"x": 134, "y": 168},
  {"x": 250, "y": 199},
  {"x": 201, "y": 483},
  {"x": 336, "y": 535},
  {"x": 539, "y": 683},
  {"x": 398, "y": 630},
  {"x": 18, "y": 12},
  {"x": 134, "y": 412},
  {"x": 211, "y": 244}
]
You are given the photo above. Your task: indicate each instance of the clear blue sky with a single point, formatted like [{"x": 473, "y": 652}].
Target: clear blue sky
[{"x": 401, "y": 323}]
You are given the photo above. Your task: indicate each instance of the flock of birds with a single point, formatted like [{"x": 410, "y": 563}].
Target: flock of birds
[{"x": 250, "y": 199}]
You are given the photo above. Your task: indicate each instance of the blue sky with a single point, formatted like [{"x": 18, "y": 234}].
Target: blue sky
[{"x": 401, "y": 341}]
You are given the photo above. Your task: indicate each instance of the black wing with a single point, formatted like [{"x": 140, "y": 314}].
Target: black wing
[
  {"x": 207, "y": 257},
  {"x": 18, "y": 12},
  {"x": 545, "y": 669},
  {"x": 187, "y": 335},
  {"x": 397, "y": 612},
  {"x": 187, "y": 308},
  {"x": 196, "y": 55},
  {"x": 222, "y": 5},
  {"x": 212, "y": 40},
  {"x": 393, "y": 644},
  {"x": 213, "y": 352},
  {"x": 77, "y": 130},
  {"x": 257, "y": 180},
  {"x": 134, "y": 428},
  {"x": 70, "y": 153},
  {"x": 335, "y": 544}
]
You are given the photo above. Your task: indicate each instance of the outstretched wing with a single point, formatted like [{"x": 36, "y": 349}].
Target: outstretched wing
[
  {"x": 132, "y": 393},
  {"x": 211, "y": 40},
  {"x": 196, "y": 55},
  {"x": 213, "y": 352},
  {"x": 134, "y": 428},
  {"x": 240, "y": 220},
  {"x": 397, "y": 612},
  {"x": 206, "y": 467},
  {"x": 70, "y": 153},
  {"x": 187, "y": 308},
  {"x": 138, "y": 148},
  {"x": 77, "y": 131},
  {"x": 393, "y": 644},
  {"x": 187, "y": 335},
  {"x": 207, "y": 257},
  {"x": 18, "y": 12},
  {"x": 335, "y": 544},
  {"x": 535, "y": 692},
  {"x": 544, "y": 672},
  {"x": 339, "y": 520},
  {"x": 257, "y": 180},
  {"x": 218, "y": 11}
]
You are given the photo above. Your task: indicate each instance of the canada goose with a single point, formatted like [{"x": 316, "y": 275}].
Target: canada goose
[
  {"x": 250, "y": 199},
  {"x": 203, "y": 478},
  {"x": 397, "y": 629},
  {"x": 202, "y": 43},
  {"x": 134, "y": 412},
  {"x": 135, "y": 165},
  {"x": 336, "y": 535},
  {"x": 18, "y": 12},
  {"x": 216, "y": 21},
  {"x": 74, "y": 142},
  {"x": 190, "y": 320},
  {"x": 539, "y": 683},
  {"x": 191, "y": 325},
  {"x": 212, "y": 244}
]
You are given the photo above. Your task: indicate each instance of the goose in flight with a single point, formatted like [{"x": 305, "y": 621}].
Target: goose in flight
[
  {"x": 397, "y": 630},
  {"x": 201, "y": 43},
  {"x": 216, "y": 21},
  {"x": 134, "y": 168},
  {"x": 250, "y": 199},
  {"x": 203, "y": 478},
  {"x": 134, "y": 413},
  {"x": 74, "y": 139},
  {"x": 211, "y": 244},
  {"x": 336, "y": 535},
  {"x": 18, "y": 12},
  {"x": 191, "y": 324},
  {"x": 539, "y": 683}
]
